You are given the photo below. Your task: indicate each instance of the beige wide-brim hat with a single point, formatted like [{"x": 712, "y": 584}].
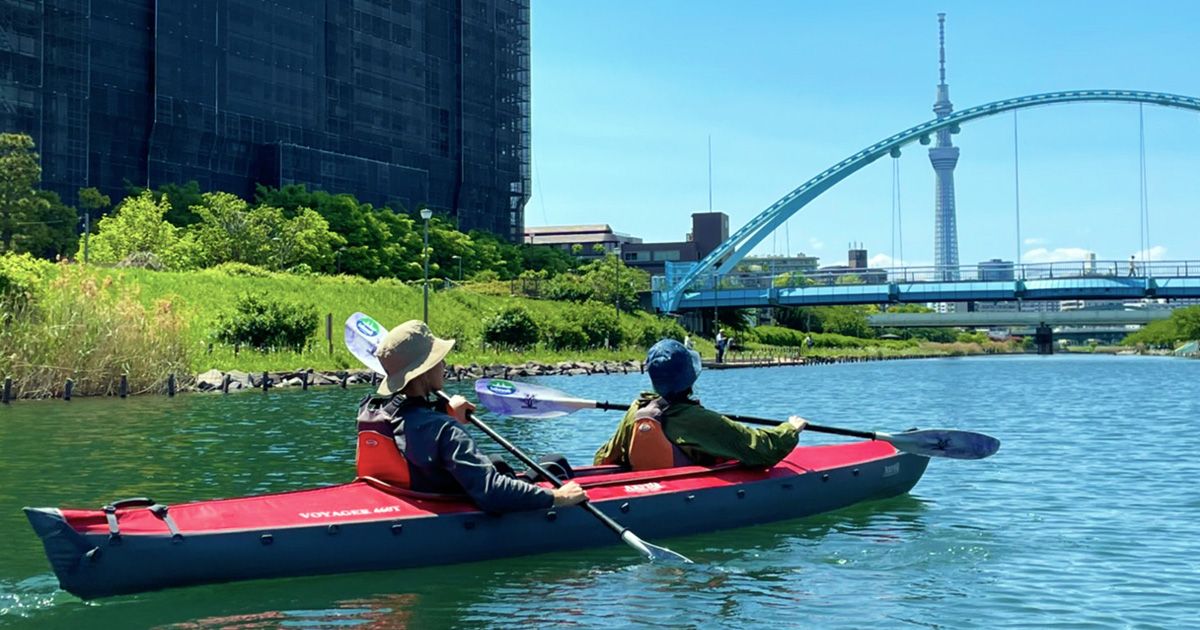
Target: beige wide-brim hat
[{"x": 408, "y": 351}]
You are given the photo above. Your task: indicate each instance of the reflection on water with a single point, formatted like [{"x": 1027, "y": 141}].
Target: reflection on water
[{"x": 1072, "y": 523}]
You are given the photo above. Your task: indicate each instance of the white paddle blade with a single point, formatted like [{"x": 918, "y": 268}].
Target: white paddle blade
[
  {"x": 654, "y": 553},
  {"x": 944, "y": 443},
  {"x": 363, "y": 335},
  {"x": 522, "y": 400}
]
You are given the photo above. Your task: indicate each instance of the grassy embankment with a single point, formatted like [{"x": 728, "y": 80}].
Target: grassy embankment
[{"x": 94, "y": 324}]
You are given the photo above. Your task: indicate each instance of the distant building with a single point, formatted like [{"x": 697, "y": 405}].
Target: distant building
[
  {"x": 996, "y": 269},
  {"x": 856, "y": 268},
  {"x": 587, "y": 237},
  {"x": 776, "y": 265},
  {"x": 401, "y": 103},
  {"x": 709, "y": 230}
]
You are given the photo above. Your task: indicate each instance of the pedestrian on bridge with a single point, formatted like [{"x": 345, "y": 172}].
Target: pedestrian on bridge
[{"x": 1132, "y": 267}]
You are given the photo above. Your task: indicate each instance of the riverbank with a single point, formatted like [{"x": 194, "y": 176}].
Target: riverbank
[{"x": 233, "y": 381}]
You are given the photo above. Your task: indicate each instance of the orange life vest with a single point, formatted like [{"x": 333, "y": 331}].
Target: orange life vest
[
  {"x": 649, "y": 446},
  {"x": 377, "y": 456}
]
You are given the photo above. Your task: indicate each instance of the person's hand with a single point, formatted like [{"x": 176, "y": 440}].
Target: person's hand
[
  {"x": 797, "y": 422},
  {"x": 569, "y": 494},
  {"x": 458, "y": 408}
]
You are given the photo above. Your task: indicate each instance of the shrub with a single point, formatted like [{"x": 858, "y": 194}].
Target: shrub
[
  {"x": 563, "y": 334},
  {"x": 262, "y": 323},
  {"x": 512, "y": 326},
  {"x": 485, "y": 275},
  {"x": 566, "y": 287},
  {"x": 658, "y": 329},
  {"x": 599, "y": 324},
  {"x": 21, "y": 274},
  {"x": 241, "y": 269}
]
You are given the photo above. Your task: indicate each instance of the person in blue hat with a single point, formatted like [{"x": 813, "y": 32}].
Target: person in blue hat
[{"x": 669, "y": 427}]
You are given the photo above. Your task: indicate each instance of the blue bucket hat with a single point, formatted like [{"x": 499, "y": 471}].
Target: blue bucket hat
[{"x": 672, "y": 367}]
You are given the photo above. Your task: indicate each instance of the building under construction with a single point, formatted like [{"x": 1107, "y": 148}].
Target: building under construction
[{"x": 401, "y": 103}]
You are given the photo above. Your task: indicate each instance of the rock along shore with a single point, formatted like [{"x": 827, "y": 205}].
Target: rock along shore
[{"x": 234, "y": 380}]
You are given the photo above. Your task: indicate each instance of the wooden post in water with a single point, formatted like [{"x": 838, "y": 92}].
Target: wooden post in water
[
  {"x": 225, "y": 384},
  {"x": 123, "y": 387},
  {"x": 7, "y": 389},
  {"x": 345, "y": 377},
  {"x": 171, "y": 384},
  {"x": 304, "y": 380},
  {"x": 266, "y": 382},
  {"x": 68, "y": 387}
]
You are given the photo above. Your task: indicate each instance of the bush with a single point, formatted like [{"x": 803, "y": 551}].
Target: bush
[
  {"x": 562, "y": 334},
  {"x": 512, "y": 326},
  {"x": 241, "y": 269},
  {"x": 263, "y": 323},
  {"x": 485, "y": 275},
  {"x": 567, "y": 288},
  {"x": 599, "y": 324},
  {"x": 21, "y": 274},
  {"x": 658, "y": 329}
]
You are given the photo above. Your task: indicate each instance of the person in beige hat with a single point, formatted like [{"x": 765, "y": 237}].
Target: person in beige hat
[{"x": 440, "y": 455}]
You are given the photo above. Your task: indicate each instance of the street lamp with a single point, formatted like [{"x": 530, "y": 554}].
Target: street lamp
[
  {"x": 426, "y": 214},
  {"x": 459, "y": 259}
]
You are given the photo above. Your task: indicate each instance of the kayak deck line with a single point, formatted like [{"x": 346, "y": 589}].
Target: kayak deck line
[{"x": 359, "y": 526}]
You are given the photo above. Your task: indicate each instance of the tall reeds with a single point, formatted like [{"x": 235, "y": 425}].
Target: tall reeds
[{"x": 91, "y": 330}]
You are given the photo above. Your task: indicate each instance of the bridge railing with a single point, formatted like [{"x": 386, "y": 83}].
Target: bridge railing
[{"x": 962, "y": 273}]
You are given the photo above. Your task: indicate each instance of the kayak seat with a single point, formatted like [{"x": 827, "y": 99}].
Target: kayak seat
[
  {"x": 378, "y": 457},
  {"x": 650, "y": 449}
]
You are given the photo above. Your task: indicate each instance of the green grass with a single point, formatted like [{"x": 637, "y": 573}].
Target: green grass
[{"x": 455, "y": 313}]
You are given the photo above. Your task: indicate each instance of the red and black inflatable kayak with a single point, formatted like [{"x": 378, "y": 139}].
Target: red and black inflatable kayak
[{"x": 136, "y": 545}]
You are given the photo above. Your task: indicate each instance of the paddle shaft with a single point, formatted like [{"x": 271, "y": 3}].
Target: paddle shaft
[
  {"x": 528, "y": 461},
  {"x": 816, "y": 428}
]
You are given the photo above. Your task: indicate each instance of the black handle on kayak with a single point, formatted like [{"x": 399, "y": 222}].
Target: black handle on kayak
[
  {"x": 816, "y": 428},
  {"x": 616, "y": 527}
]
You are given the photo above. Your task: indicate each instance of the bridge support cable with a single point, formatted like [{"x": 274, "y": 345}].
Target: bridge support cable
[
  {"x": 897, "y": 218},
  {"x": 727, "y": 255},
  {"x": 1017, "y": 185},
  {"x": 1143, "y": 199}
]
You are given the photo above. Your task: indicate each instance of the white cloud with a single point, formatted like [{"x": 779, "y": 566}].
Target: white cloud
[
  {"x": 1058, "y": 254},
  {"x": 816, "y": 243},
  {"x": 887, "y": 262},
  {"x": 1037, "y": 240},
  {"x": 1158, "y": 252}
]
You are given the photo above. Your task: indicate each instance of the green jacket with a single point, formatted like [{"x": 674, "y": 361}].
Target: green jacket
[{"x": 705, "y": 436}]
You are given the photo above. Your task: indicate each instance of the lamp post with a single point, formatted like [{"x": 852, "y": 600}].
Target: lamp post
[
  {"x": 426, "y": 214},
  {"x": 459, "y": 259}
]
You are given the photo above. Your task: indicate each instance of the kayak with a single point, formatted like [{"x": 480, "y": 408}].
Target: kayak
[{"x": 137, "y": 545}]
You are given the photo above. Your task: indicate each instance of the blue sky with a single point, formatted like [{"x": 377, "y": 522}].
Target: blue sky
[{"x": 626, "y": 94}]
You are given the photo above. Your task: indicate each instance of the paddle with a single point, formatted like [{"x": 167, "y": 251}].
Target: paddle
[
  {"x": 523, "y": 400},
  {"x": 362, "y": 336}
]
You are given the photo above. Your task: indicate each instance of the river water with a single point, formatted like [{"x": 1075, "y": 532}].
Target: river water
[{"x": 1089, "y": 516}]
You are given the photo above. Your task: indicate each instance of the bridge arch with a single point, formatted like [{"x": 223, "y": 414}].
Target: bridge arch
[{"x": 750, "y": 235}]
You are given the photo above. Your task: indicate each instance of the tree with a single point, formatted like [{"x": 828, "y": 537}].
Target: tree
[
  {"x": 53, "y": 234},
  {"x": 181, "y": 197},
  {"x": 231, "y": 231},
  {"x": 20, "y": 174},
  {"x": 552, "y": 260},
  {"x": 1187, "y": 322},
  {"x": 138, "y": 226}
]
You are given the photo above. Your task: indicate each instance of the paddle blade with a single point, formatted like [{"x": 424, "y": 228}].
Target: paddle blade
[
  {"x": 522, "y": 400},
  {"x": 944, "y": 443},
  {"x": 362, "y": 337},
  {"x": 653, "y": 553}
]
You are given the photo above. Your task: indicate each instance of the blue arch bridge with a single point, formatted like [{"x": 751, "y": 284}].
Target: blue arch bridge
[{"x": 709, "y": 283}]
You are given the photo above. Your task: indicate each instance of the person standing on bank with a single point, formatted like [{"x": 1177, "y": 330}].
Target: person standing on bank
[
  {"x": 721, "y": 341},
  {"x": 440, "y": 454}
]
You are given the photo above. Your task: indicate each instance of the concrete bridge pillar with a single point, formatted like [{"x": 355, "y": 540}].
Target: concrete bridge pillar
[{"x": 1043, "y": 336}]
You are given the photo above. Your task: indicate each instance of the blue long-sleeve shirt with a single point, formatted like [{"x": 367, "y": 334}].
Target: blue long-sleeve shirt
[{"x": 443, "y": 458}]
